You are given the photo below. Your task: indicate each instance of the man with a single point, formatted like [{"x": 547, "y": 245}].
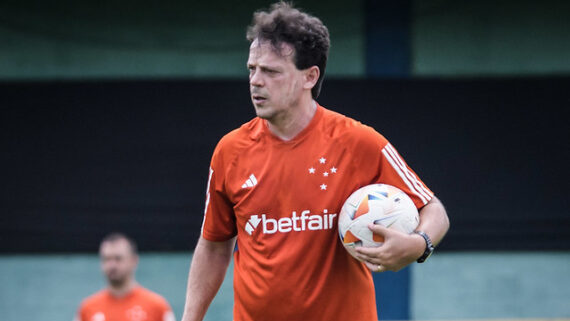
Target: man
[
  {"x": 295, "y": 160},
  {"x": 123, "y": 299}
]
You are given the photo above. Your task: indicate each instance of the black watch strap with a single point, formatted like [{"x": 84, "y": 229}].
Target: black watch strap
[{"x": 429, "y": 247}]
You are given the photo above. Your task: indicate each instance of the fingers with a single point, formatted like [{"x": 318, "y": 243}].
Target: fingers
[
  {"x": 379, "y": 229},
  {"x": 370, "y": 255},
  {"x": 371, "y": 260},
  {"x": 391, "y": 255},
  {"x": 375, "y": 267},
  {"x": 368, "y": 251},
  {"x": 374, "y": 257}
]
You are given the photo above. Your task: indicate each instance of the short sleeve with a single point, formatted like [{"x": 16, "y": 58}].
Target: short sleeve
[
  {"x": 168, "y": 316},
  {"x": 394, "y": 171},
  {"x": 219, "y": 219},
  {"x": 81, "y": 313},
  {"x": 166, "y": 311}
]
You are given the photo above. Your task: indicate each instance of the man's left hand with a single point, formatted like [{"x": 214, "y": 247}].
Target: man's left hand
[{"x": 397, "y": 251}]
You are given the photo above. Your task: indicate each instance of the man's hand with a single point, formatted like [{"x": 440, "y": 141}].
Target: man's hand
[
  {"x": 400, "y": 249},
  {"x": 397, "y": 251}
]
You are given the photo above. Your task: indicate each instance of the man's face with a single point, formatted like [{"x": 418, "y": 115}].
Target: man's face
[
  {"x": 118, "y": 261},
  {"x": 275, "y": 83}
]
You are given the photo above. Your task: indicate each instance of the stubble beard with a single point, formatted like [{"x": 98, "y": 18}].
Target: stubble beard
[
  {"x": 117, "y": 281},
  {"x": 274, "y": 115},
  {"x": 265, "y": 112}
]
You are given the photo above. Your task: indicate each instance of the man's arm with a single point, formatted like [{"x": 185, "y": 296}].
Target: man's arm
[
  {"x": 400, "y": 249},
  {"x": 433, "y": 221},
  {"x": 207, "y": 271}
]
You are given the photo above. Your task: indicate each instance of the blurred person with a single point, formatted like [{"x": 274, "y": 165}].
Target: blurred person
[
  {"x": 277, "y": 183},
  {"x": 123, "y": 299}
]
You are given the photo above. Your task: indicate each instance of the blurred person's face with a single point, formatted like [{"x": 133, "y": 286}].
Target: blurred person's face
[
  {"x": 118, "y": 261},
  {"x": 275, "y": 83}
]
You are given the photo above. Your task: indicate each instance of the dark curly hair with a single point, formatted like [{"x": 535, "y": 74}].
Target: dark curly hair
[{"x": 305, "y": 33}]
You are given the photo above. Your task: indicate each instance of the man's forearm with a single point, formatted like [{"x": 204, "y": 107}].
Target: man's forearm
[
  {"x": 207, "y": 272},
  {"x": 434, "y": 221}
]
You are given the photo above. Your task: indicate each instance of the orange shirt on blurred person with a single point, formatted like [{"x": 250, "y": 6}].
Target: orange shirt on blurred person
[{"x": 139, "y": 304}]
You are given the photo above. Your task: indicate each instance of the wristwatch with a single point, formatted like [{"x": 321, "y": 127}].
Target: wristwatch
[{"x": 429, "y": 247}]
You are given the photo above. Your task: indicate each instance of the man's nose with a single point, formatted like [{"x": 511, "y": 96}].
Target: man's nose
[{"x": 255, "y": 79}]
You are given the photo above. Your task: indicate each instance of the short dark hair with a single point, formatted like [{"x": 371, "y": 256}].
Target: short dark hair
[
  {"x": 305, "y": 33},
  {"x": 115, "y": 236}
]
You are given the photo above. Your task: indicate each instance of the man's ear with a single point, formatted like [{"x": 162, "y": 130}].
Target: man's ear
[{"x": 311, "y": 77}]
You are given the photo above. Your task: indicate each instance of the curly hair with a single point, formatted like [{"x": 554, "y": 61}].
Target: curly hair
[{"x": 305, "y": 33}]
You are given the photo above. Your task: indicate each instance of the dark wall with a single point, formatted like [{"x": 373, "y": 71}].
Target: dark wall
[{"x": 81, "y": 159}]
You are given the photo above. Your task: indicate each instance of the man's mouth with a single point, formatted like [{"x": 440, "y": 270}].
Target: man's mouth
[{"x": 258, "y": 99}]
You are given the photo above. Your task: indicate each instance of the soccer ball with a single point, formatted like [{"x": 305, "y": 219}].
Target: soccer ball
[{"x": 379, "y": 204}]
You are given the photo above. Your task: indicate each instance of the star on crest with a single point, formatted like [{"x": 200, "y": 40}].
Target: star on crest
[{"x": 322, "y": 167}]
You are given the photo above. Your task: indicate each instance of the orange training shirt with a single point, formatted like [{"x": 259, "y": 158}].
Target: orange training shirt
[
  {"x": 138, "y": 305},
  {"x": 282, "y": 199}
]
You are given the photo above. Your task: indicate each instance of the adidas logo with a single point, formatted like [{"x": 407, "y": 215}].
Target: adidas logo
[{"x": 250, "y": 182}]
